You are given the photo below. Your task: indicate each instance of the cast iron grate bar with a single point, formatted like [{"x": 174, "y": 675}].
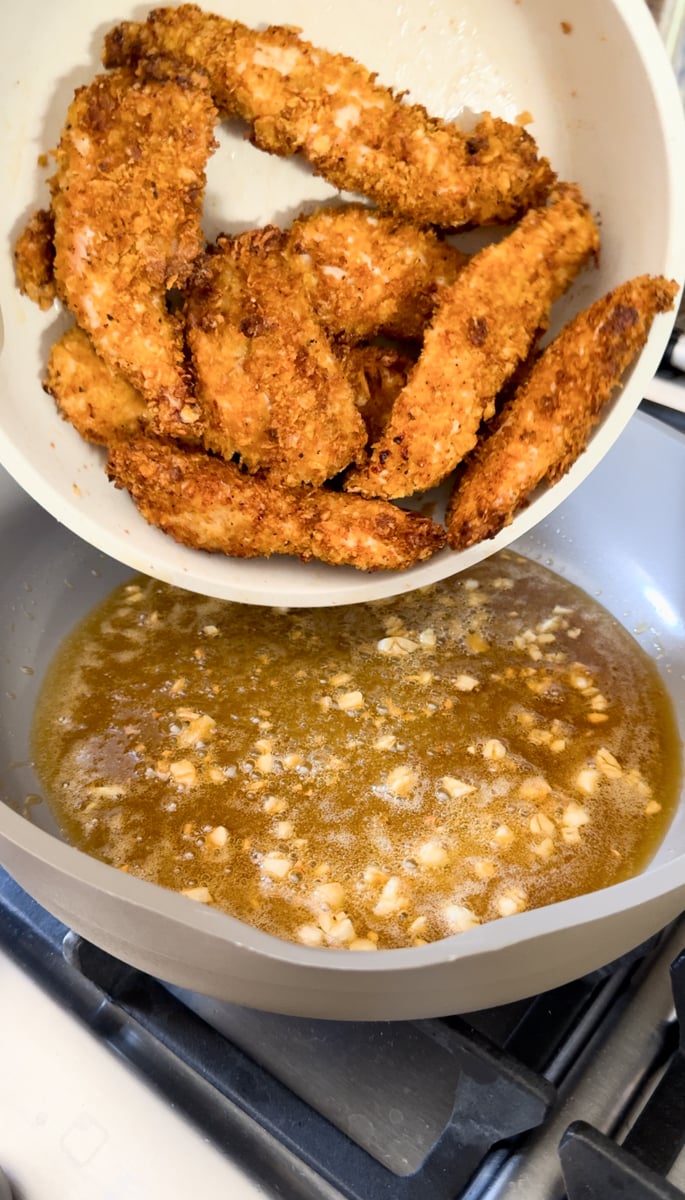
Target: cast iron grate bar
[
  {"x": 595, "y": 1168},
  {"x": 657, "y": 1135},
  {"x": 497, "y": 1099}
]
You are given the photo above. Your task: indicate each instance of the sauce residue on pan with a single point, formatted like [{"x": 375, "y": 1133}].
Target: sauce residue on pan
[{"x": 365, "y": 777}]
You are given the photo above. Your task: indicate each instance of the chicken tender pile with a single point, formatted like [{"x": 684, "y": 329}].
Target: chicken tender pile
[{"x": 281, "y": 390}]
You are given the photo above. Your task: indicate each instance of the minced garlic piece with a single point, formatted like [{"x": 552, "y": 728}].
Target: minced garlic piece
[
  {"x": 396, "y": 647},
  {"x": 455, "y": 788},
  {"x": 431, "y": 854},
  {"x": 484, "y": 868},
  {"x": 541, "y": 823},
  {"x": 283, "y": 830},
  {"x": 374, "y": 877},
  {"x": 392, "y": 900},
  {"x": 332, "y": 894},
  {"x": 199, "y": 729},
  {"x": 503, "y": 836},
  {"x": 574, "y": 815},
  {"x": 402, "y": 781},
  {"x": 292, "y": 761},
  {"x": 385, "y": 742},
  {"x": 494, "y": 749},
  {"x": 586, "y": 780},
  {"x": 543, "y": 849},
  {"x": 201, "y": 894},
  {"x": 534, "y": 788},
  {"x": 608, "y": 764},
  {"x": 511, "y": 901},
  {"x": 264, "y": 763},
  {"x": 465, "y": 683},
  {"x": 183, "y": 772},
  {"x": 276, "y": 865},
  {"x": 274, "y": 805},
  {"x": 460, "y": 918},
  {"x": 310, "y": 935},
  {"x": 218, "y": 836}
]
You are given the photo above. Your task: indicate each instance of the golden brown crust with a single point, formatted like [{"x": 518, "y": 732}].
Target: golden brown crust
[
  {"x": 546, "y": 424},
  {"x": 483, "y": 327},
  {"x": 209, "y": 504},
  {"x": 377, "y": 375},
  {"x": 270, "y": 387},
  {"x": 127, "y": 200},
  {"x": 34, "y": 258},
  {"x": 357, "y": 133},
  {"x": 96, "y": 400},
  {"x": 367, "y": 273}
]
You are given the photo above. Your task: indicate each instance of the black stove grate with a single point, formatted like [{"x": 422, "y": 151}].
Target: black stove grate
[
  {"x": 595, "y": 1168},
  {"x": 503, "y": 1066}
]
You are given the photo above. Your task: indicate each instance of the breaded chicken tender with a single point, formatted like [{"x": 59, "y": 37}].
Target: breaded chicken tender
[
  {"x": 367, "y": 273},
  {"x": 270, "y": 387},
  {"x": 377, "y": 374},
  {"x": 127, "y": 203},
  {"x": 34, "y": 258},
  {"x": 483, "y": 328},
  {"x": 357, "y": 133},
  {"x": 209, "y": 504},
  {"x": 96, "y": 400},
  {"x": 545, "y": 425}
]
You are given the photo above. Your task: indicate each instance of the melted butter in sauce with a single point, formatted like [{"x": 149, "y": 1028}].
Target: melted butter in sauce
[{"x": 365, "y": 777}]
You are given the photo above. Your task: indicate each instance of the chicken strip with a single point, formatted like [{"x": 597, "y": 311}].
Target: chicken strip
[
  {"x": 127, "y": 201},
  {"x": 270, "y": 387},
  {"x": 209, "y": 504},
  {"x": 357, "y": 134},
  {"x": 96, "y": 400},
  {"x": 377, "y": 375},
  {"x": 367, "y": 273},
  {"x": 34, "y": 258},
  {"x": 483, "y": 327},
  {"x": 546, "y": 424}
]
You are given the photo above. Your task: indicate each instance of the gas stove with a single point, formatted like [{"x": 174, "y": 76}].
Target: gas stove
[{"x": 146, "y": 1090}]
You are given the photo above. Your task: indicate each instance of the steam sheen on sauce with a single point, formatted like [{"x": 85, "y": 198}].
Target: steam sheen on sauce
[{"x": 365, "y": 777}]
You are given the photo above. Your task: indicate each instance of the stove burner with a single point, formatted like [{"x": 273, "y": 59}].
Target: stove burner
[{"x": 471, "y": 1107}]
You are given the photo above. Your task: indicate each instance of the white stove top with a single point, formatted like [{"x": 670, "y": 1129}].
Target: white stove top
[{"x": 77, "y": 1124}]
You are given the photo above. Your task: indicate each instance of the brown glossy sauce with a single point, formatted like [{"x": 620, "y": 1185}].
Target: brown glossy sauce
[{"x": 365, "y": 777}]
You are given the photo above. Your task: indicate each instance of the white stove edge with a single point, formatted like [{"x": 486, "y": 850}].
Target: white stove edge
[{"x": 77, "y": 1124}]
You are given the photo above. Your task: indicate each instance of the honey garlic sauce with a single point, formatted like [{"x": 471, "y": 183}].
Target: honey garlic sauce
[{"x": 366, "y": 777}]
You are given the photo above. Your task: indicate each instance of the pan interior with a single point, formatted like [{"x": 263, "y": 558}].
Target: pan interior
[{"x": 612, "y": 538}]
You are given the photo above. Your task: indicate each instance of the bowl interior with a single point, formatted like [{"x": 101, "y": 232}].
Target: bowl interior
[{"x": 601, "y": 98}]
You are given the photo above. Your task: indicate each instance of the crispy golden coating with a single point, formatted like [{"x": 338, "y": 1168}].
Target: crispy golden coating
[
  {"x": 483, "y": 327},
  {"x": 127, "y": 201},
  {"x": 546, "y": 424},
  {"x": 367, "y": 273},
  {"x": 210, "y": 504},
  {"x": 270, "y": 386},
  {"x": 34, "y": 258},
  {"x": 356, "y": 132},
  {"x": 96, "y": 400},
  {"x": 377, "y": 375}
]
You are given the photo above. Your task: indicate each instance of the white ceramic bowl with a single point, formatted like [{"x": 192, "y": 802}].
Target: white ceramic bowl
[{"x": 606, "y": 112}]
